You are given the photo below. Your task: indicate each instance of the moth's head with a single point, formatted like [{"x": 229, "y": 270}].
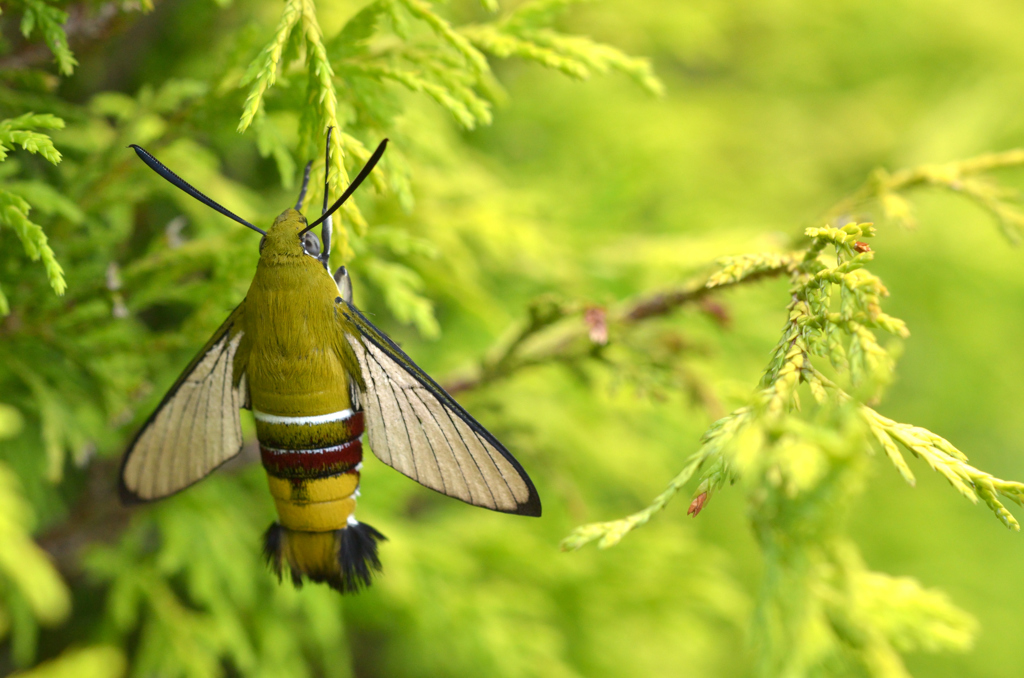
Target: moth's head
[{"x": 286, "y": 238}]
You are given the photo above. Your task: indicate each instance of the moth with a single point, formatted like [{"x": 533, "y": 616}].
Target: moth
[{"x": 317, "y": 375}]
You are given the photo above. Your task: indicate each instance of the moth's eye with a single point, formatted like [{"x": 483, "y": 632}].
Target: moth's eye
[
  {"x": 311, "y": 244},
  {"x": 263, "y": 241}
]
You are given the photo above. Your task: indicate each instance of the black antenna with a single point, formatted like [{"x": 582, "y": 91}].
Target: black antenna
[
  {"x": 325, "y": 232},
  {"x": 170, "y": 176},
  {"x": 363, "y": 173},
  {"x": 305, "y": 185}
]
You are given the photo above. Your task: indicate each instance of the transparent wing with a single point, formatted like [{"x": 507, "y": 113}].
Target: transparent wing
[
  {"x": 196, "y": 427},
  {"x": 415, "y": 427}
]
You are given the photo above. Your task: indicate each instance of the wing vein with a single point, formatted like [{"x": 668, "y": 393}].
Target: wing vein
[
  {"x": 174, "y": 416},
  {"x": 179, "y": 464},
  {"x": 490, "y": 457},
  {"x": 398, "y": 406},
  {"x": 192, "y": 430},
  {"x": 380, "y": 407},
  {"x": 415, "y": 397},
  {"x": 473, "y": 456},
  {"x": 430, "y": 445},
  {"x": 206, "y": 418},
  {"x": 455, "y": 456},
  {"x": 405, "y": 424}
]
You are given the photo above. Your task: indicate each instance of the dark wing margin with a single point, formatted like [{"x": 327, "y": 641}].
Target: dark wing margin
[
  {"x": 196, "y": 427},
  {"x": 415, "y": 427}
]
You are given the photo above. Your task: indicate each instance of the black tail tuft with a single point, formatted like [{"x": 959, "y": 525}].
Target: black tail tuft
[
  {"x": 272, "y": 540},
  {"x": 344, "y": 559},
  {"x": 357, "y": 555}
]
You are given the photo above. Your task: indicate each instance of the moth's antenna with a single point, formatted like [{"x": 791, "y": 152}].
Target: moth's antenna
[
  {"x": 363, "y": 173},
  {"x": 325, "y": 233},
  {"x": 305, "y": 185},
  {"x": 170, "y": 176}
]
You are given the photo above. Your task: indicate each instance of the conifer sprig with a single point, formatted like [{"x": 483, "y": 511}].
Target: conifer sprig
[
  {"x": 299, "y": 26},
  {"x": 834, "y": 311},
  {"x": 800, "y": 465},
  {"x": 14, "y": 209},
  {"x": 964, "y": 177},
  {"x": 263, "y": 70},
  {"x": 50, "y": 20},
  {"x": 448, "y": 63},
  {"x": 946, "y": 460},
  {"x": 525, "y": 33}
]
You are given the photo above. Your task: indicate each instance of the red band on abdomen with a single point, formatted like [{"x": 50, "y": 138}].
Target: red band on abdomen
[
  {"x": 312, "y": 463},
  {"x": 355, "y": 424}
]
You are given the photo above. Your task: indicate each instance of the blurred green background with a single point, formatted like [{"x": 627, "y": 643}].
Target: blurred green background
[{"x": 595, "y": 192}]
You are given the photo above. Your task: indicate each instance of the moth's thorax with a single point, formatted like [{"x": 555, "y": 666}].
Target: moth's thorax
[{"x": 298, "y": 365}]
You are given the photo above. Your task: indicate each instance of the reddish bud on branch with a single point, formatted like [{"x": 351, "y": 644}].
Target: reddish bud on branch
[
  {"x": 697, "y": 504},
  {"x": 596, "y": 318}
]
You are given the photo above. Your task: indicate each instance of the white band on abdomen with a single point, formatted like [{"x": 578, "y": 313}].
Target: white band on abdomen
[
  {"x": 302, "y": 421},
  {"x": 313, "y": 450}
]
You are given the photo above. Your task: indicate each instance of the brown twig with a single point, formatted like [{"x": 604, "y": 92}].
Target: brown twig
[
  {"x": 666, "y": 302},
  {"x": 513, "y": 358}
]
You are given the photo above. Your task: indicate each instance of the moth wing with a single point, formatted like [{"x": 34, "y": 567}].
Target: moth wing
[
  {"x": 196, "y": 427},
  {"x": 415, "y": 427}
]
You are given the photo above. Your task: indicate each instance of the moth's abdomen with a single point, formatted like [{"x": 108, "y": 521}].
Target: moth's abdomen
[{"x": 312, "y": 465}]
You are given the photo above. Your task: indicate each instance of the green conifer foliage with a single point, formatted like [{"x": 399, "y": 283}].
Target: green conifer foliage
[{"x": 592, "y": 263}]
